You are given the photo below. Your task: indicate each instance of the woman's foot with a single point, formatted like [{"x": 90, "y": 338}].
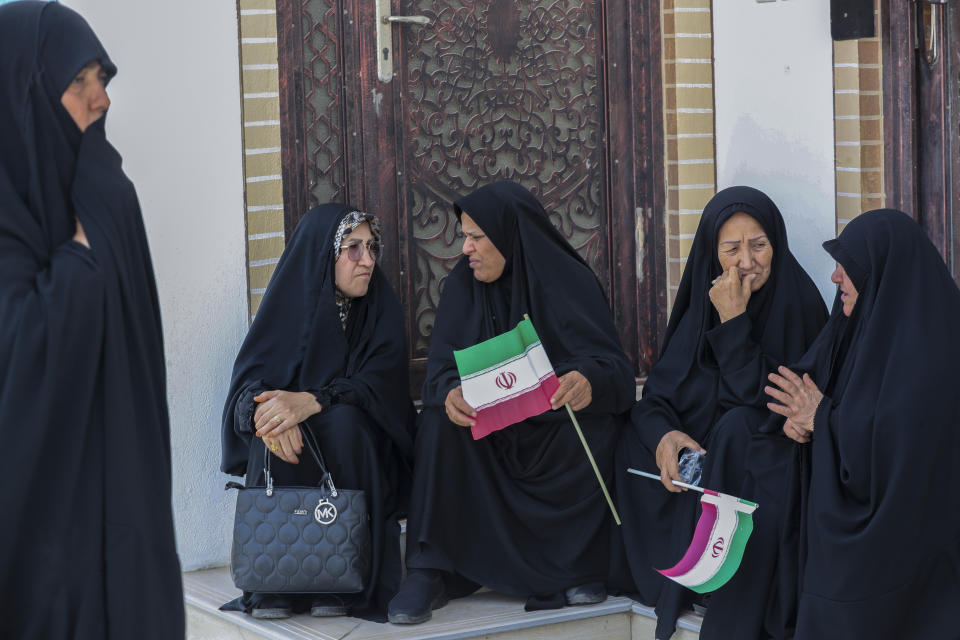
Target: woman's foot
[
  {"x": 272, "y": 607},
  {"x": 421, "y": 593},
  {"x": 590, "y": 593},
  {"x": 328, "y": 605}
]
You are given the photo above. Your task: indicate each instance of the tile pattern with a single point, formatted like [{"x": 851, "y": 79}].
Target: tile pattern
[
  {"x": 261, "y": 143},
  {"x": 689, "y": 125},
  {"x": 858, "y": 126}
]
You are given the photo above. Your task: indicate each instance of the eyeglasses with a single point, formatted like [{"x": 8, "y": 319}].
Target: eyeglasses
[{"x": 355, "y": 249}]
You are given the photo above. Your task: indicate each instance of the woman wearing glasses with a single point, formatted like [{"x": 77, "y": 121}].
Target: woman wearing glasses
[{"x": 327, "y": 352}]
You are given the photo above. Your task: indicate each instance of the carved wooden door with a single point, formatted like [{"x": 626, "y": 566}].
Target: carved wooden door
[{"x": 561, "y": 96}]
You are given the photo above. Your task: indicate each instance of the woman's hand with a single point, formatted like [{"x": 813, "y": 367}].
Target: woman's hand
[
  {"x": 729, "y": 294},
  {"x": 80, "y": 235},
  {"x": 575, "y": 389},
  {"x": 668, "y": 454},
  {"x": 458, "y": 410},
  {"x": 283, "y": 410},
  {"x": 800, "y": 399},
  {"x": 286, "y": 446}
]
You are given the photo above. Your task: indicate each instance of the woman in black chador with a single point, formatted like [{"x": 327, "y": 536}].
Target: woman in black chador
[
  {"x": 87, "y": 543},
  {"x": 519, "y": 511},
  {"x": 327, "y": 352},
  {"x": 744, "y": 306},
  {"x": 877, "y": 459}
]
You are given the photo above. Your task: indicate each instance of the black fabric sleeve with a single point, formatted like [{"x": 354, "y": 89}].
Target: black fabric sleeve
[
  {"x": 612, "y": 385},
  {"x": 743, "y": 366}
]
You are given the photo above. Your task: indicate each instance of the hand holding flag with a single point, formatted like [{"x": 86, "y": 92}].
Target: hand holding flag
[{"x": 509, "y": 378}]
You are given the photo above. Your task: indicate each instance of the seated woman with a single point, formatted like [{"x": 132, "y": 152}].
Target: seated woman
[
  {"x": 327, "y": 352},
  {"x": 744, "y": 305},
  {"x": 519, "y": 511},
  {"x": 879, "y": 532}
]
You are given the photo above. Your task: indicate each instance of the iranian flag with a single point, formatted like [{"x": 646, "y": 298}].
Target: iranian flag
[
  {"x": 506, "y": 379},
  {"x": 714, "y": 555}
]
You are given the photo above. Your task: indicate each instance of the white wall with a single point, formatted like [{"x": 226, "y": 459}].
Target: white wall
[
  {"x": 773, "y": 87},
  {"x": 175, "y": 119}
]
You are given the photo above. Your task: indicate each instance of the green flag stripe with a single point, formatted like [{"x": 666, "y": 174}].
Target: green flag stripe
[
  {"x": 734, "y": 555},
  {"x": 488, "y": 353}
]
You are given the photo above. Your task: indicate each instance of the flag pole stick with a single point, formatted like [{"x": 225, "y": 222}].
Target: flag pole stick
[
  {"x": 657, "y": 478},
  {"x": 613, "y": 509}
]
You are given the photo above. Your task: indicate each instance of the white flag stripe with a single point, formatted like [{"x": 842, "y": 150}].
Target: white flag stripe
[
  {"x": 723, "y": 529},
  {"x": 519, "y": 374},
  {"x": 503, "y": 363},
  {"x": 514, "y": 393}
]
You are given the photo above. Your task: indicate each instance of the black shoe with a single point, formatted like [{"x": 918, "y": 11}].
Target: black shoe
[
  {"x": 327, "y": 605},
  {"x": 419, "y": 595},
  {"x": 272, "y": 607},
  {"x": 590, "y": 593}
]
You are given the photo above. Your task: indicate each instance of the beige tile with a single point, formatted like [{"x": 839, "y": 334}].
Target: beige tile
[
  {"x": 260, "y": 137},
  {"x": 258, "y": 26},
  {"x": 267, "y": 221},
  {"x": 696, "y": 174},
  {"x": 260, "y": 80},
  {"x": 264, "y": 193},
  {"x": 259, "y": 110},
  {"x": 692, "y": 23},
  {"x": 262, "y": 164},
  {"x": 690, "y": 73},
  {"x": 258, "y": 4}
]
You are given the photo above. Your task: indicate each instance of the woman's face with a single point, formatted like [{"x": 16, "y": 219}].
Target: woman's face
[
  {"x": 353, "y": 277},
  {"x": 485, "y": 259},
  {"x": 743, "y": 243},
  {"x": 848, "y": 292},
  {"x": 86, "y": 98}
]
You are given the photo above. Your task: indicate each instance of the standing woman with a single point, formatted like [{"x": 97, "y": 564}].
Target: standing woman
[
  {"x": 877, "y": 416},
  {"x": 327, "y": 352},
  {"x": 743, "y": 306},
  {"x": 519, "y": 511},
  {"x": 87, "y": 546}
]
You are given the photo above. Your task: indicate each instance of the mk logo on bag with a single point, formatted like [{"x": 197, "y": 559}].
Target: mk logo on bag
[{"x": 325, "y": 513}]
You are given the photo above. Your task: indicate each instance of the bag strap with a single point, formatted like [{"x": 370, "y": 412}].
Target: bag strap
[{"x": 311, "y": 442}]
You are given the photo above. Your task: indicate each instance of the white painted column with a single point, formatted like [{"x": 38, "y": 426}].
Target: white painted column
[
  {"x": 773, "y": 86},
  {"x": 175, "y": 118}
]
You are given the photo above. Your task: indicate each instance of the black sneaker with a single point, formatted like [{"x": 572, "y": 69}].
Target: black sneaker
[
  {"x": 590, "y": 593},
  {"x": 272, "y": 607},
  {"x": 419, "y": 595}
]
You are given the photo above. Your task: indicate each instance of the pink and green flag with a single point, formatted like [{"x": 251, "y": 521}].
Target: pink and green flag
[
  {"x": 718, "y": 543},
  {"x": 506, "y": 379}
]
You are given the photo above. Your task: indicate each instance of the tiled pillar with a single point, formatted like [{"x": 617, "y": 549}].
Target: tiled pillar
[
  {"x": 689, "y": 122},
  {"x": 858, "y": 116},
  {"x": 261, "y": 143}
]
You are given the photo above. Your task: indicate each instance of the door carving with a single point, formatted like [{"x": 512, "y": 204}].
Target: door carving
[{"x": 561, "y": 96}]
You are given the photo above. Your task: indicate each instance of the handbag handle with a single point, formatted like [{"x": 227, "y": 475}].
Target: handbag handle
[{"x": 311, "y": 442}]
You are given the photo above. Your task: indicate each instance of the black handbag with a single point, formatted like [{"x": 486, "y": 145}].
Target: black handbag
[{"x": 300, "y": 539}]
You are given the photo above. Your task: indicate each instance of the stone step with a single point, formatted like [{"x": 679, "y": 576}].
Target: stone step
[{"x": 481, "y": 615}]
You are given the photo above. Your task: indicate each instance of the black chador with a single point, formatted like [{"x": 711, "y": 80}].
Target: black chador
[
  {"x": 709, "y": 384},
  {"x": 87, "y": 544},
  {"x": 519, "y": 511},
  {"x": 877, "y": 517},
  {"x": 356, "y": 366}
]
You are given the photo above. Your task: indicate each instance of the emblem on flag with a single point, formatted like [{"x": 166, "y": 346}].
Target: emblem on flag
[{"x": 506, "y": 379}]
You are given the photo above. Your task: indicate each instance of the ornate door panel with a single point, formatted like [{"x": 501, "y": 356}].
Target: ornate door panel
[
  {"x": 500, "y": 90},
  {"x": 562, "y": 96}
]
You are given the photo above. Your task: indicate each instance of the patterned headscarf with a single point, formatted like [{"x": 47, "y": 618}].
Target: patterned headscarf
[{"x": 349, "y": 223}]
